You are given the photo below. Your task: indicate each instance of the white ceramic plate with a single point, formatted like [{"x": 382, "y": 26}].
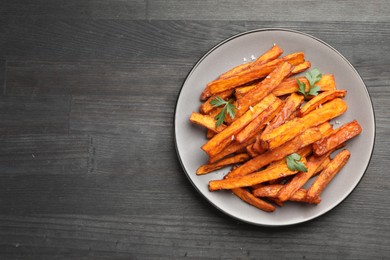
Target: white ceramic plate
[{"x": 231, "y": 52}]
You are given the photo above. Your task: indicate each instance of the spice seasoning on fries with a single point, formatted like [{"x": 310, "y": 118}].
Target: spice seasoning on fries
[{"x": 274, "y": 128}]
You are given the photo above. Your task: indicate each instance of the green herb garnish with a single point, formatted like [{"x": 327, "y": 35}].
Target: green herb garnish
[
  {"x": 294, "y": 164},
  {"x": 228, "y": 107},
  {"x": 313, "y": 77}
]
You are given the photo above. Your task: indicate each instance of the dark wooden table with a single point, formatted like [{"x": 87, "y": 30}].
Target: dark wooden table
[{"x": 88, "y": 166}]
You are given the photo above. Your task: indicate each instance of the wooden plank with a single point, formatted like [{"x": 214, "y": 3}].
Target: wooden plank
[
  {"x": 269, "y": 10},
  {"x": 167, "y": 236},
  {"x": 115, "y": 40},
  {"x": 128, "y": 154},
  {"x": 145, "y": 115},
  {"x": 34, "y": 115},
  {"x": 75, "y": 9},
  {"x": 95, "y": 78},
  {"x": 25, "y": 155},
  {"x": 3, "y": 68}
]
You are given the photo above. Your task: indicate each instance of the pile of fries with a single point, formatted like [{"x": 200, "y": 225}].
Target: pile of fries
[{"x": 269, "y": 124}]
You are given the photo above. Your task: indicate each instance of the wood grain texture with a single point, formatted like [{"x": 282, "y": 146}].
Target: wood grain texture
[
  {"x": 34, "y": 114},
  {"x": 74, "y": 9},
  {"x": 115, "y": 40},
  {"x": 308, "y": 11},
  {"x": 88, "y": 168}
]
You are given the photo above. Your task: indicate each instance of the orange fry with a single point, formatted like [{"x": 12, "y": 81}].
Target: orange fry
[
  {"x": 301, "y": 67},
  {"x": 206, "y": 168},
  {"x": 217, "y": 144},
  {"x": 251, "y": 74},
  {"x": 337, "y": 137},
  {"x": 260, "y": 121},
  {"x": 268, "y": 56},
  {"x": 271, "y": 191},
  {"x": 289, "y": 130},
  {"x": 270, "y": 173},
  {"x": 322, "y": 166},
  {"x": 308, "y": 137},
  {"x": 233, "y": 147},
  {"x": 327, "y": 175},
  {"x": 264, "y": 88},
  {"x": 250, "y": 150},
  {"x": 210, "y": 134},
  {"x": 252, "y": 200},
  {"x": 290, "y": 105},
  {"x": 290, "y": 85},
  {"x": 206, "y": 107},
  {"x": 241, "y": 91},
  {"x": 206, "y": 121},
  {"x": 320, "y": 99},
  {"x": 301, "y": 178}
]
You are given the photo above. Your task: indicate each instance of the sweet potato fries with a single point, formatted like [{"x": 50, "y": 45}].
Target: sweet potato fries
[{"x": 275, "y": 129}]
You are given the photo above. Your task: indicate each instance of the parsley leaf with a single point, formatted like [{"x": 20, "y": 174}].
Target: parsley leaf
[
  {"x": 220, "y": 117},
  {"x": 313, "y": 77},
  {"x": 294, "y": 164},
  {"x": 217, "y": 102},
  {"x": 228, "y": 107},
  {"x": 314, "y": 90},
  {"x": 302, "y": 87}
]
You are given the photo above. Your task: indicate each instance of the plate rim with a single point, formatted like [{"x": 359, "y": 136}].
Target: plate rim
[{"x": 194, "y": 67}]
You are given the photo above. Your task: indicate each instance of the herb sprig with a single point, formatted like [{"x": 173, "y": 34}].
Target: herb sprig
[
  {"x": 313, "y": 77},
  {"x": 228, "y": 108},
  {"x": 294, "y": 164}
]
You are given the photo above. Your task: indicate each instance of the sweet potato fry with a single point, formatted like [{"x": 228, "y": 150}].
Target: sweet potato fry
[
  {"x": 251, "y": 151},
  {"x": 241, "y": 91},
  {"x": 300, "y": 67},
  {"x": 216, "y": 144},
  {"x": 327, "y": 175},
  {"x": 264, "y": 88},
  {"x": 290, "y": 105},
  {"x": 339, "y": 136},
  {"x": 290, "y": 85},
  {"x": 252, "y": 200},
  {"x": 206, "y": 121},
  {"x": 304, "y": 152},
  {"x": 301, "y": 177},
  {"x": 322, "y": 166},
  {"x": 276, "y": 201},
  {"x": 320, "y": 99},
  {"x": 271, "y": 191},
  {"x": 206, "y": 168},
  {"x": 260, "y": 121},
  {"x": 248, "y": 75},
  {"x": 268, "y": 56},
  {"x": 289, "y": 130},
  {"x": 233, "y": 147},
  {"x": 206, "y": 107},
  {"x": 326, "y": 129},
  {"x": 210, "y": 134},
  {"x": 308, "y": 137},
  {"x": 270, "y": 173},
  {"x": 326, "y": 83}
]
